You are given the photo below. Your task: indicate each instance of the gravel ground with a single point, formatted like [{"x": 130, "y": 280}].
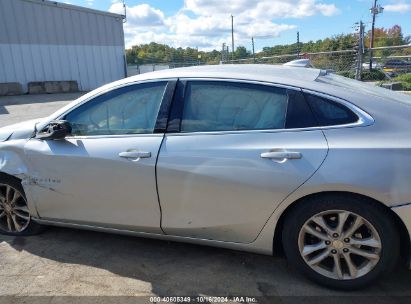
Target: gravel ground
[{"x": 68, "y": 262}]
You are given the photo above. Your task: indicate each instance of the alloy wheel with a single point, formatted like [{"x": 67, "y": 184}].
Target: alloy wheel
[
  {"x": 340, "y": 244},
  {"x": 14, "y": 213}
]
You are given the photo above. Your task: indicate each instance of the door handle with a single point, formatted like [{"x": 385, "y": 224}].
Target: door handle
[
  {"x": 281, "y": 155},
  {"x": 135, "y": 154}
]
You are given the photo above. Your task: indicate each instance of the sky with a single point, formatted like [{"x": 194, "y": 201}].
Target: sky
[{"x": 206, "y": 24}]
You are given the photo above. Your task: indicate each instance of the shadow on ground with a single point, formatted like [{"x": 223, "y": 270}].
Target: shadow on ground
[
  {"x": 38, "y": 98},
  {"x": 3, "y": 110},
  {"x": 184, "y": 269}
]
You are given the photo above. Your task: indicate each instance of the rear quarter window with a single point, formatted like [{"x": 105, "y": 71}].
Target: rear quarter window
[{"x": 330, "y": 113}]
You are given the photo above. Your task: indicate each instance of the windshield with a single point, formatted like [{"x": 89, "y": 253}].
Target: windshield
[{"x": 363, "y": 87}]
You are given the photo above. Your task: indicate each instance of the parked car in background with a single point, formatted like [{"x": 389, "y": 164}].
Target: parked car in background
[
  {"x": 396, "y": 66},
  {"x": 246, "y": 157},
  {"x": 375, "y": 66}
]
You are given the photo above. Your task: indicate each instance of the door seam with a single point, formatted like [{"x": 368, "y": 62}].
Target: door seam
[{"x": 158, "y": 193}]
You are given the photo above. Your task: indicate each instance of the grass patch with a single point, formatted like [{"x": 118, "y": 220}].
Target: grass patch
[
  {"x": 404, "y": 79},
  {"x": 373, "y": 75}
]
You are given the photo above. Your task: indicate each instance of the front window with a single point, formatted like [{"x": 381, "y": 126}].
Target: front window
[{"x": 128, "y": 110}]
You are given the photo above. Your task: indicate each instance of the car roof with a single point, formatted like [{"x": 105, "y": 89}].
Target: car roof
[
  {"x": 253, "y": 72},
  {"x": 283, "y": 75}
]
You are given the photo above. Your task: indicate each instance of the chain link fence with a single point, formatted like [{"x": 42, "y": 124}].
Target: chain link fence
[
  {"x": 388, "y": 65},
  {"x": 334, "y": 61},
  {"x": 136, "y": 69}
]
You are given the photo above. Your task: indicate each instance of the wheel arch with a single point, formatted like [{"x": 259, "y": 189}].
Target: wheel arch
[
  {"x": 400, "y": 226},
  {"x": 30, "y": 227},
  {"x": 12, "y": 162},
  {"x": 23, "y": 179},
  {"x": 7, "y": 175}
]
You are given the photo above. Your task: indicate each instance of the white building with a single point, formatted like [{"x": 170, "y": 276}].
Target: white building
[{"x": 48, "y": 41}]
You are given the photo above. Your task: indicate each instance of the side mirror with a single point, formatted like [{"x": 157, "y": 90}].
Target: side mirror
[{"x": 55, "y": 130}]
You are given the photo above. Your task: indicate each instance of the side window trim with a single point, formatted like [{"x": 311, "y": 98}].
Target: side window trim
[
  {"x": 177, "y": 107},
  {"x": 364, "y": 119},
  {"x": 165, "y": 106},
  {"x": 292, "y": 105}
]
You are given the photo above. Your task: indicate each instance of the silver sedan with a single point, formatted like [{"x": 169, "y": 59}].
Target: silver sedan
[{"x": 248, "y": 157}]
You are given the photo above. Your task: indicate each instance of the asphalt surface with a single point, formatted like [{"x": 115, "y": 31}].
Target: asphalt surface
[
  {"x": 63, "y": 263},
  {"x": 14, "y": 109}
]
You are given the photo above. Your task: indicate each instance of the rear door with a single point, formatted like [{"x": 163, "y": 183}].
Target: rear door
[{"x": 233, "y": 152}]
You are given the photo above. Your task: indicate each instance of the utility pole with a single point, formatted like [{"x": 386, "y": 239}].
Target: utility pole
[
  {"x": 232, "y": 36},
  {"x": 125, "y": 52},
  {"x": 358, "y": 68},
  {"x": 375, "y": 10},
  {"x": 125, "y": 11},
  {"x": 298, "y": 45},
  {"x": 223, "y": 57},
  {"x": 252, "y": 41}
]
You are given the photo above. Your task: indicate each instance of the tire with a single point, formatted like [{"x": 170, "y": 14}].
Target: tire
[
  {"x": 345, "y": 262},
  {"x": 20, "y": 213}
]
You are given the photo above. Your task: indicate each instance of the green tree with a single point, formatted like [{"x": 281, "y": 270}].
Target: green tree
[
  {"x": 161, "y": 53},
  {"x": 241, "y": 53}
]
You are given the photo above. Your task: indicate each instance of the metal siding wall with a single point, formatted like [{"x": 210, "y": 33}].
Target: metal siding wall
[
  {"x": 111, "y": 55},
  {"x": 42, "y": 42},
  {"x": 7, "y": 51}
]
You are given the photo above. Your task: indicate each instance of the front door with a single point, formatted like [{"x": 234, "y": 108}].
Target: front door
[
  {"x": 104, "y": 174},
  {"x": 233, "y": 161}
]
